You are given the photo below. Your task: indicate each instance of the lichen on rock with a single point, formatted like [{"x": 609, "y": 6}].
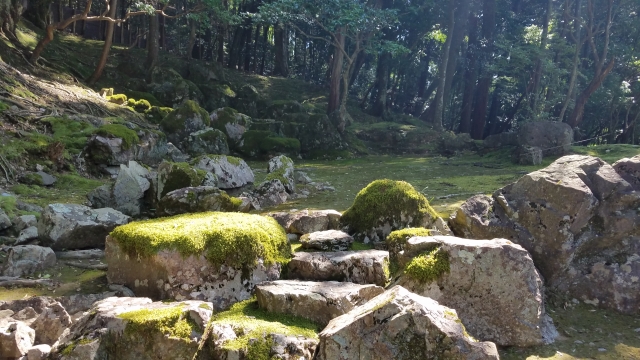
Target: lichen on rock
[{"x": 428, "y": 266}]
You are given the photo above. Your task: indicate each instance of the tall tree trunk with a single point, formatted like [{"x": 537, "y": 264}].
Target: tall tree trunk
[
  {"x": 192, "y": 38},
  {"x": 576, "y": 60},
  {"x": 152, "y": 47},
  {"x": 265, "y": 32},
  {"x": 336, "y": 75},
  {"x": 482, "y": 91},
  {"x": 537, "y": 73},
  {"x": 435, "y": 116},
  {"x": 381, "y": 84},
  {"x": 459, "y": 30},
  {"x": 106, "y": 48},
  {"x": 281, "y": 66},
  {"x": 470, "y": 77}
]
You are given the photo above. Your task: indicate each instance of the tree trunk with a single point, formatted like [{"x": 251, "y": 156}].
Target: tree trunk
[
  {"x": 482, "y": 91},
  {"x": 106, "y": 48},
  {"x": 265, "y": 33},
  {"x": 470, "y": 77},
  {"x": 336, "y": 75},
  {"x": 575, "y": 118},
  {"x": 192, "y": 38},
  {"x": 281, "y": 66},
  {"x": 576, "y": 59},
  {"x": 459, "y": 30},
  {"x": 381, "y": 84},
  {"x": 10, "y": 11},
  {"x": 152, "y": 47},
  {"x": 537, "y": 73}
]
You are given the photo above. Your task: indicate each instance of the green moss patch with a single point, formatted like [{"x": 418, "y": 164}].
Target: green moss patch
[
  {"x": 180, "y": 175},
  {"x": 397, "y": 238},
  {"x": 278, "y": 174},
  {"x": 3, "y": 106},
  {"x": 175, "y": 120},
  {"x": 119, "y": 99},
  {"x": 72, "y": 133},
  {"x": 128, "y": 136},
  {"x": 385, "y": 199},
  {"x": 140, "y": 95},
  {"x": 140, "y": 106},
  {"x": 172, "y": 321},
  {"x": 156, "y": 114},
  {"x": 266, "y": 142},
  {"x": 428, "y": 266},
  {"x": 233, "y": 239},
  {"x": 255, "y": 323}
]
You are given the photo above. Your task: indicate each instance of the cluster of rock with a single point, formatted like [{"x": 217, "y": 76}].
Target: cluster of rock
[{"x": 578, "y": 219}]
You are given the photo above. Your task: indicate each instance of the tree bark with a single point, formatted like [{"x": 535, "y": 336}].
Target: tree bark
[
  {"x": 470, "y": 77},
  {"x": 152, "y": 47},
  {"x": 576, "y": 59},
  {"x": 336, "y": 72},
  {"x": 281, "y": 66},
  {"x": 381, "y": 84},
  {"x": 537, "y": 73},
  {"x": 482, "y": 90},
  {"x": 106, "y": 48},
  {"x": 575, "y": 118},
  {"x": 192, "y": 38}
]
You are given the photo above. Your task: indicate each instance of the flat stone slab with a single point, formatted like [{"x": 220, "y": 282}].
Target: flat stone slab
[
  {"x": 308, "y": 221},
  {"x": 317, "y": 301},
  {"x": 360, "y": 267},
  {"x": 328, "y": 240}
]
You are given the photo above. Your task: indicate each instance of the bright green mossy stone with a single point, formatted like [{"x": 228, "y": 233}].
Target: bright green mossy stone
[
  {"x": 399, "y": 237},
  {"x": 233, "y": 239},
  {"x": 386, "y": 199}
]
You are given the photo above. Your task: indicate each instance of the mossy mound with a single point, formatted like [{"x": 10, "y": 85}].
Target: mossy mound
[
  {"x": 387, "y": 201},
  {"x": 140, "y": 106},
  {"x": 171, "y": 321},
  {"x": 72, "y": 133},
  {"x": 128, "y": 136},
  {"x": 265, "y": 142},
  {"x": 253, "y": 323},
  {"x": 398, "y": 238},
  {"x": 119, "y": 99},
  {"x": 156, "y": 114},
  {"x": 188, "y": 111},
  {"x": 429, "y": 266},
  {"x": 141, "y": 95},
  {"x": 175, "y": 176},
  {"x": 232, "y": 239}
]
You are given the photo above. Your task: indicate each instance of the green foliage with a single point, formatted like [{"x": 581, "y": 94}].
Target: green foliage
[
  {"x": 233, "y": 239},
  {"x": 3, "y": 106},
  {"x": 428, "y": 266},
  {"x": 254, "y": 323},
  {"x": 171, "y": 321},
  {"x": 72, "y": 133},
  {"x": 8, "y": 205},
  {"x": 382, "y": 200},
  {"x": 128, "y": 136}
]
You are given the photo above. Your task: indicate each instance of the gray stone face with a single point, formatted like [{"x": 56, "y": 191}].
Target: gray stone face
[
  {"x": 22, "y": 222},
  {"x": 127, "y": 192},
  {"x": 169, "y": 275},
  {"x": 175, "y": 155},
  {"x": 282, "y": 167},
  {"x": 308, "y": 221},
  {"x": 39, "y": 352},
  {"x": 207, "y": 141},
  {"x": 16, "y": 339},
  {"x": 629, "y": 170},
  {"x": 267, "y": 194},
  {"x": 503, "y": 297},
  {"x": 233, "y": 123},
  {"x": 5, "y": 222},
  {"x": 400, "y": 325},
  {"x": 194, "y": 199},
  {"x": 317, "y": 301},
  {"x": 72, "y": 226},
  {"x": 47, "y": 180},
  {"x": 24, "y": 260},
  {"x": 328, "y": 240},
  {"x": 50, "y": 324},
  {"x": 150, "y": 150},
  {"x": 28, "y": 234},
  {"x": 574, "y": 214},
  {"x": 554, "y": 138},
  {"x": 529, "y": 155},
  {"x": 231, "y": 174},
  {"x": 360, "y": 267},
  {"x": 98, "y": 327}
]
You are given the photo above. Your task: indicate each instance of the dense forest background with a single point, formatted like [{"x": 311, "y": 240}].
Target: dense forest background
[{"x": 470, "y": 66}]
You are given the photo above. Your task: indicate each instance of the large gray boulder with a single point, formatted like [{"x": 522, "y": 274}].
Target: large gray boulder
[
  {"x": 554, "y": 138},
  {"x": 360, "y": 267},
  {"x": 232, "y": 172},
  {"x": 629, "y": 170},
  {"x": 570, "y": 216},
  {"x": 503, "y": 297},
  {"x": 232, "y": 123},
  {"x": 181, "y": 123},
  {"x": 196, "y": 199},
  {"x": 72, "y": 226},
  {"x": 207, "y": 141},
  {"x": 25, "y": 260},
  {"x": 267, "y": 194},
  {"x": 281, "y": 168},
  {"x": 317, "y": 301},
  {"x": 307, "y": 221},
  {"x": 16, "y": 339},
  {"x": 136, "y": 328},
  {"x": 127, "y": 193},
  {"x": 22, "y": 222},
  {"x": 173, "y": 176},
  {"x": 150, "y": 149},
  {"x": 400, "y": 325}
]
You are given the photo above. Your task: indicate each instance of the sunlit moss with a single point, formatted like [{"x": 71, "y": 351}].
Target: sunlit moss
[
  {"x": 128, "y": 136},
  {"x": 428, "y": 266},
  {"x": 171, "y": 321}
]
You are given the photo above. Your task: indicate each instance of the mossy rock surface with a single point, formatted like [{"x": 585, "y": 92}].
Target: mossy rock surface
[
  {"x": 232, "y": 239},
  {"x": 396, "y": 239},
  {"x": 189, "y": 117},
  {"x": 388, "y": 201},
  {"x": 265, "y": 143},
  {"x": 156, "y": 114},
  {"x": 175, "y": 176},
  {"x": 128, "y": 136},
  {"x": 141, "y": 95},
  {"x": 429, "y": 266}
]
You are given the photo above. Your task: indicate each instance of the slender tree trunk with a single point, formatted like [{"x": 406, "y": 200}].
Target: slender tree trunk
[
  {"x": 470, "y": 77},
  {"x": 537, "y": 73},
  {"x": 336, "y": 75},
  {"x": 192, "y": 38},
  {"x": 152, "y": 47},
  {"x": 106, "y": 48},
  {"x": 576, "y": 60},
  {"x": 482, "y": 91},
  {"x": 381, "y": 84},
  {"x": 281, "y": 66},
  {"x": 459, "y": 30},
  {"x": 265, "y": 32}
]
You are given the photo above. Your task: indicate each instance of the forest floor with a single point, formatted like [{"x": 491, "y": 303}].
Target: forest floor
[{"x": 586, "y": 332}]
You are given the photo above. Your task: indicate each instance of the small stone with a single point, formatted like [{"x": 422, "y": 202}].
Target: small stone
[
  {"x": 329, "y": 240},
  {"x": 39, "y": 352}
]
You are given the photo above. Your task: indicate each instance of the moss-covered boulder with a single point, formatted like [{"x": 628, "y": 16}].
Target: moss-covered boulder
[
  {"x": 156, "y": 114},
  {"x": 134, "y": 329},
  {"x": 171, "y": 89},
  {"x": 173, "y": 176},
  {"x": 141, "y": 95},
  {"x": 384, "y": 206},
  {"x": 207, "y": 141},
  {"x": 396, "y": 239},
  {"x": 248, "y": 332},
  {"x": 266, "y": 143},
  {"x": 503, "y": 297},
  {"x": 316, "y": 133},
  {"x": 276, "y": 109},
  {"x": 116, "y": 144},
  {"x": 232, "y": 172},
  {"x": 281, "y": 168},
  {"x": 216, "y": 95},
  {"x": 197, "y": 199},
  {"x": 215, "y": 256},
  {"x": 232, "y": 123},
  {"x": 248, "y": 100},
  {"x": 186, "y": 119}
]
